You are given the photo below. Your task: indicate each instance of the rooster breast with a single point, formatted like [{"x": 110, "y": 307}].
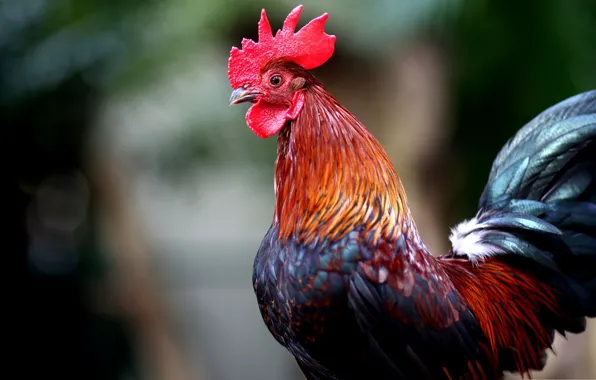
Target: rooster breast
[
  {"x": 297, "y": 285},
  {"x": 320, "y": 303},
  {"x": 302, "y": 296}
]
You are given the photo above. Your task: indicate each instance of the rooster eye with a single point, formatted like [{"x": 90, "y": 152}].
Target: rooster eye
[{"x": 276, "y": 80}]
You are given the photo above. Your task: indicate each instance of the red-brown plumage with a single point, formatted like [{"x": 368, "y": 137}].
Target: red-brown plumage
[{"x": 509, "y": 306}]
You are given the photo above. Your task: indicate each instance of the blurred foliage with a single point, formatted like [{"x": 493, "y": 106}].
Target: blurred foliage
[
  {"x": 56, "y": 59},
  {"x": 45, "y": 43},
  {"x": 513, "y": 60}
]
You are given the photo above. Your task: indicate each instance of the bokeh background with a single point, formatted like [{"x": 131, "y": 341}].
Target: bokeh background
[{"x": 137, "y": 197}]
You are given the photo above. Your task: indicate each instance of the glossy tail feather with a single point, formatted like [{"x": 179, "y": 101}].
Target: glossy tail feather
[{"x": 539, "y": 205}]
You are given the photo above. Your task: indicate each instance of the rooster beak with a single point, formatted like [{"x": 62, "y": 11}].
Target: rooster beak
[{"x": 241, "y": 95}]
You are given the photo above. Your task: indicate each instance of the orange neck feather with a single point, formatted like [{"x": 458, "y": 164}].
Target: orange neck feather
[{"x": 332, "y": 175}]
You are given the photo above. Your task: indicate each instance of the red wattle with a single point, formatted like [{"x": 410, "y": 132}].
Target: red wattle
[{"x": 266, "y": 119}]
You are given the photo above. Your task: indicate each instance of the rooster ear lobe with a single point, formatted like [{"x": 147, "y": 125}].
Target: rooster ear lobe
[{"x": 297, "y": 83}]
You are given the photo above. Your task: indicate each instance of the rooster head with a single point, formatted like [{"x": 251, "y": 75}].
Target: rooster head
[{"x": 259, "y": 72}]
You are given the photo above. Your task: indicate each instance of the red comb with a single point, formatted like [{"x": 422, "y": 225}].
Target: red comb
[{"x": 310, "y": 47}]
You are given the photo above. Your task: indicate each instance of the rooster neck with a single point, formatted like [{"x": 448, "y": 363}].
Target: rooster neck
[{"x": 333, "y": 176}]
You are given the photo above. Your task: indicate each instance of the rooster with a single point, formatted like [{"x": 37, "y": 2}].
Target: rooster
[{"x": 342, "y": 277}]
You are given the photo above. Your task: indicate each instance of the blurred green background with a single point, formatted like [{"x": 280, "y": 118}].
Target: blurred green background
[{"x": 138, "y": 197}]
